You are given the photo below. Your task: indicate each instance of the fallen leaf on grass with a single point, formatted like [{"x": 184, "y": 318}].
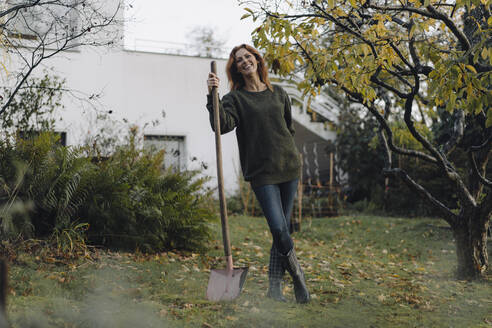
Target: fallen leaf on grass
[
  {"x": 50, "y": 260},
  {"x": 363, "y": 274},
  {"x": 345, "y": 266},
  {"x": 318, "y": 278},
  {"x": 339, "y": 285}
]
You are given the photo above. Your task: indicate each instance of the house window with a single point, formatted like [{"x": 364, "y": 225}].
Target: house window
[
  {"x": 173, "y": 146},
  {"x": 30, "y": 23}
]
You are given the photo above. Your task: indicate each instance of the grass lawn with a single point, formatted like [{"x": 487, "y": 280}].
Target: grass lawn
[{"x": 362, "y": 271}]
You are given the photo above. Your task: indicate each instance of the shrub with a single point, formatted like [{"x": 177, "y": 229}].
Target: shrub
[
  {"x": 44, "y": 180},
  {"x": 244, "y": 202},
  {"x": 127, "y": 200},
  {"x": 134, "y": 204}
]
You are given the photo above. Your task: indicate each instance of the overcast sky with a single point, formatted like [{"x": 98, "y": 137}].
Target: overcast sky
[{"x": 157, "y": 24}]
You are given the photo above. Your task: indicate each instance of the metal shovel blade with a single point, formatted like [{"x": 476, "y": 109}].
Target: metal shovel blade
[{"x": 225, "y": 285}]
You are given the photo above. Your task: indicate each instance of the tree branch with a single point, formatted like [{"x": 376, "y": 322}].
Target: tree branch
[
  {"x": 448, "y": 215},
  {"x": 18, "y": 7},
  {"x": 442, "y": 162},
  {"x": 382, "y": 138},
  {"x": 49, "y": 37},
  {"x": 346, "y": 28},
  {"x": 399, "y": 77},
  {"x": 457, "y": 134},
  {"x": 430, "y": 13},
  {"x": 374, "y": 79},
  {"x": 411, "y": 127},
  {"x": 486, "y": 208},
  {"x": 465, "y": 43},
  {"x": 483, "y": 145},
  {"x": 476, "y": 171},
  {"x": 403, "y": 59},
  {"x": 384, "y": 123}
]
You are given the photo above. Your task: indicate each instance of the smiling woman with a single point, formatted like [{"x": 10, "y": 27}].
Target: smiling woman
[
  {"x": 247, "y": 64},
  {"x": 261, "y": 114}
]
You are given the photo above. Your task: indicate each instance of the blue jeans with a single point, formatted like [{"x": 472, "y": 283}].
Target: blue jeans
[{"x": 277, "y": 202}]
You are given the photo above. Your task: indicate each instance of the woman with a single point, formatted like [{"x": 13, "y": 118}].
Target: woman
[{"x": 261, "y": 114}]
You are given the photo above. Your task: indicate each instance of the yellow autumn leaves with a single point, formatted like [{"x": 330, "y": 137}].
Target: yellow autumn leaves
[{"x": 343, "y": 45}]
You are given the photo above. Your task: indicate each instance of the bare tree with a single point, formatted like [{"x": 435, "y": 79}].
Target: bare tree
[
  {"x": 33, "y": 31},
  {"x": 204, "y": 42}
]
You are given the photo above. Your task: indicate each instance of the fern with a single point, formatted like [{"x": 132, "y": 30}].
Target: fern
[
  {"x": 55, "y": 181},
  {"x": 124, "y": 202}
]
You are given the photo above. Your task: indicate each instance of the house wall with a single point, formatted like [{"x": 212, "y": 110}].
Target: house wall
[
  {"x": 142, "y": 87},
  {"x": 139, "y": 87}
]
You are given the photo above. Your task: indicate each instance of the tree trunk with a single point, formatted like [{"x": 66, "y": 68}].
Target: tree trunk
[{"x": 471, "y": 247}]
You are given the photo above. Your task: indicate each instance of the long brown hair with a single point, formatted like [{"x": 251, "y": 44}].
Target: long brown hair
[{"x": 236, "y": 80}]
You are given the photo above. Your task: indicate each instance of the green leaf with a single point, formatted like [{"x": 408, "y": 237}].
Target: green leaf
[
  {"x": 451, "y": 103},
  {"x": 471, "y": 68},
  {"x": 412, "y": 30},
  {"x": 488, "y": 123},
  {"x": 484, "y": 53}
]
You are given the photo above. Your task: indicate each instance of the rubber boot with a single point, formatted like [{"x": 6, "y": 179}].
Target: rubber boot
[
  {"x": 276, "y": 272},
  {"x": 293, "y": 267},
  {"x": 275, "y": 290}
]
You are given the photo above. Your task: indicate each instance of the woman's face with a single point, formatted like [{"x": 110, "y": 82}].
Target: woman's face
[{"x": 246, "y": 62}]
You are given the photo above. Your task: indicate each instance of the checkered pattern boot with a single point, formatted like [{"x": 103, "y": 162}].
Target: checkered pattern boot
[
  {"x": 292, "y": 265},
  {"x": 276, "y": 273}
]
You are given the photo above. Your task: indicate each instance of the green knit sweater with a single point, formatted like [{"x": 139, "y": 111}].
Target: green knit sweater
[{"x": 264, "y": 131}]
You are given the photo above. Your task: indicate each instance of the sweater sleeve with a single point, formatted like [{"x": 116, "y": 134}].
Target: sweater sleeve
[
  {"x": 229, "y": 117},
  {"x": 288, "y": 114}
]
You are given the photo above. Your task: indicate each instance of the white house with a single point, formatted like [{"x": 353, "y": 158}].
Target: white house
[{"x": 144, "y": 86}]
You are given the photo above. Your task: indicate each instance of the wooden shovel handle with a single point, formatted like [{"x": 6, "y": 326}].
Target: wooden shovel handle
[{"x": 220, "y": 176}]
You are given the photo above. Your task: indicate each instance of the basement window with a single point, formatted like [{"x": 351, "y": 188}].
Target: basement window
[{"x": 173, "y": 146}]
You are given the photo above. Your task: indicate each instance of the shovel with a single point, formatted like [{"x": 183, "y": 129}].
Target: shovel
[{"x": 224, "y": 284}]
